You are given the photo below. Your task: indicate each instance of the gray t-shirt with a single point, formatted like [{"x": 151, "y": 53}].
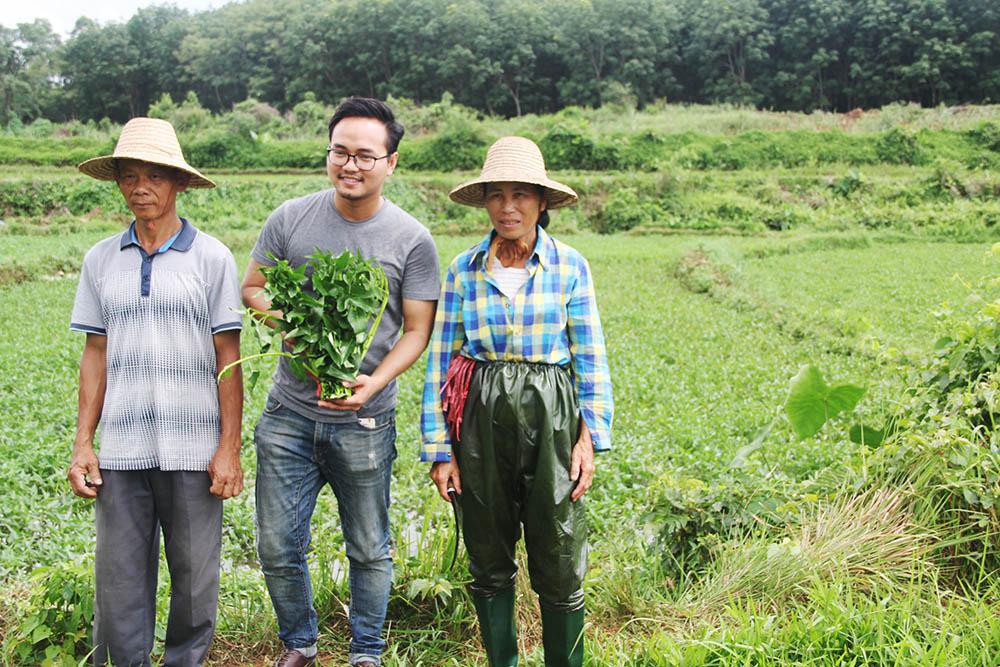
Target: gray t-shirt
[{"x": 401, "y": 245}]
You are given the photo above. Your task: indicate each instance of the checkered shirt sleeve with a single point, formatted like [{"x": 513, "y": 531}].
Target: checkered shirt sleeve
[
  {"x": 590, "y": 358},
  {"x": 446, "y": 340}
]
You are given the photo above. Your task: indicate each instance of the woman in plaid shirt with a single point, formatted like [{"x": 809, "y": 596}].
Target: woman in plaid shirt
[{"x": 517, "y": 334}]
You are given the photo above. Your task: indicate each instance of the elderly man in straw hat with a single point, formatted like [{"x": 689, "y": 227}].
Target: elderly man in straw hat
[
  {"x": 517, "y": 333},
  {"x": 159, "y": 306}
]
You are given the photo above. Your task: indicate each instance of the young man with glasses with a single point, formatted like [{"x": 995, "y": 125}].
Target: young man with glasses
[{"x": 304, "y": 443}]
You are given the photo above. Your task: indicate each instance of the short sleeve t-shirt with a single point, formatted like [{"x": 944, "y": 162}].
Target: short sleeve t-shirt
[
  {"x": 394, "y": 238},
  {"x": 159, "y": 313}
]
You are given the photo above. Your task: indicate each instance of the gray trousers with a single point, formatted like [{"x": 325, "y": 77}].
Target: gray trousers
[{"x": 131, "y": 508}]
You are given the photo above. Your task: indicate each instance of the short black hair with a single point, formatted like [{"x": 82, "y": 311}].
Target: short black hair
[{"x": 368, "y": 107}]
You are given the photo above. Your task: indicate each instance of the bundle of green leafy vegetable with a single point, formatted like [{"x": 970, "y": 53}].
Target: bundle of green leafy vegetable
[{"x": 329, "y": 318}]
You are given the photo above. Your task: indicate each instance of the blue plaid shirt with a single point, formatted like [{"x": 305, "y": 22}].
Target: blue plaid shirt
[{"x": 552, "y": 320}]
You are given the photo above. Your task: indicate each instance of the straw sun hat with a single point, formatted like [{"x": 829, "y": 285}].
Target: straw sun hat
[
  {"x": 148, "y": 140},
  {"x": 513, "y": 159}
]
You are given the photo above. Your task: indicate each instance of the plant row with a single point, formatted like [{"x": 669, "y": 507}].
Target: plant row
[
  {"x": 567, "y": 143},
  {"x": 943, "y": 200}
]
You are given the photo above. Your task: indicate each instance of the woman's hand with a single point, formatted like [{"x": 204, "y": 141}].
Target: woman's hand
[
  {"x": 581, "y": 469},
  {"x": 445, "y": 476}
]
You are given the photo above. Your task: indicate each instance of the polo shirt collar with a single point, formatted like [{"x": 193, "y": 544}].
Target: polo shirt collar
[
  {"x": 182, "y": 241},
  {"x": 545, "y": 250}
]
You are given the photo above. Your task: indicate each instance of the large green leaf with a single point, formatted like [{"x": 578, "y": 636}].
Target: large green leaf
[{"x": 811, "y": 402}]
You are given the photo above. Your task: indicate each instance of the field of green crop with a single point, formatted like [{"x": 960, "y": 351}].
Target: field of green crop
[{"x": 719, "y": 536}]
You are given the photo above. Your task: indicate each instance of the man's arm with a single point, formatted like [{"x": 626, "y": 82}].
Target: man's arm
[
  {"x": 252, "y": 293},
  {"x": 418, "y": 319},
  {"x": 225, "y": 469},
  {"x": 93, "y": 383}
]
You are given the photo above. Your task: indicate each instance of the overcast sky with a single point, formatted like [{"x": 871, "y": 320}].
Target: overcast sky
[{"x": 62, "y": 14}]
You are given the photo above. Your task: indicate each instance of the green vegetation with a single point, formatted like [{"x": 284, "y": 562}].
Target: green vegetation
[
  {"x": 328, "y": 320},
  {"x": 506, "y": 57},
  {"x": 571, "y": 140},
  {"x": 705, "y": 523},
  {"x": 806, "y": 461}
]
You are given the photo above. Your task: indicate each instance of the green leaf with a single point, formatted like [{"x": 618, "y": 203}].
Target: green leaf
[
  {"x": 40, "y": 633},
  {"x": 867, "y": 436},
  {"x": 806, "y": 404},
  {"x": 843, "y": 398},
  {"x": 811, "y": 402},
  {"x": 331, "y": 307}
]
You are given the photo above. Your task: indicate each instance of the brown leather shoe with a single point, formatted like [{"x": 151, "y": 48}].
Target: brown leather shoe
[{"x": 292, "y": 658}]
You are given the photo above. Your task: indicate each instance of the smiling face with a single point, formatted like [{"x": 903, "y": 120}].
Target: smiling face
[
  {"x": 514, "y": 209},
  {"x": 150, "y": 190},
  {"x": 356, "y": 189}
]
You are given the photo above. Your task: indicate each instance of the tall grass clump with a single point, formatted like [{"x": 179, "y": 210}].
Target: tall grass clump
[{"x": 871, "y": 538}]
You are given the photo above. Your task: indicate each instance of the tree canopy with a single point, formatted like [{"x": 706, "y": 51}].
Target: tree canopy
[{"x": 510, "y": 57}]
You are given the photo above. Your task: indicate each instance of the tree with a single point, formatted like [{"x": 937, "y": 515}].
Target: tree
[
  {"x": 26, "y": 70},
  {"x": 904, "y": 50},
  {"x": 98, "y": 66},
  {"x": 810, "y": 39},
  {"x": 727, "y": 42},
  {"x": 155, "y": 34}
]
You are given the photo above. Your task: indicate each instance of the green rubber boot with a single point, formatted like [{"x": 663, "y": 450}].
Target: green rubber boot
[
  {"x": 562, "y": 638},
  {"x": 496, "y": 623}
]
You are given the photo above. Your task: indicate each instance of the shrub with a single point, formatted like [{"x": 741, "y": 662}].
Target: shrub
[
  {"x": 310, "y": 114},
  {"x": 220, "y": 149},
  {"x": 57, "y": 620},
  {"x": 945, "y": 183},
  {"x": 289, "y": 154},
  {"x": 898, "y": 146},
  {"x": 623, "y": 210},
  {"x": 987, "y": 135},
  {"x": 420, "y": 120},
  {"x": 851, "y": 182},
  {"x": 566, "y": 147},
  {"x": 458, "y": 146},
  {"x": 700, "y": 271}
]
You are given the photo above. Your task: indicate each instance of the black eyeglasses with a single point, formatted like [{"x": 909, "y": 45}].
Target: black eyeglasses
[{"x": 339, "y": 157}]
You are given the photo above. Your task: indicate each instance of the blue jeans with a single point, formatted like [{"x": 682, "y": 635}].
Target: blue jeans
[{"x": 296, "y": 457}]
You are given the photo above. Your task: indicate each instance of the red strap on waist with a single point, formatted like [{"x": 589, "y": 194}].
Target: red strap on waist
[{"x": 455, "y": 391}]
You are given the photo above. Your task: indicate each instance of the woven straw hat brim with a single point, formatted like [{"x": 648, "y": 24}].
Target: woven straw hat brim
[
  {"x": 471, "y": 193},
  {"x": 147, "y": 140},
  {"x": 517, "y": 160},
  {"x": 103, "y": 168}
]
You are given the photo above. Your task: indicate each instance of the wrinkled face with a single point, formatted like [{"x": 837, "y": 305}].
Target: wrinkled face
[
  {"x": 150, "y": 190},
  {"x": 514, "y": 209},
  {"x": 363, "y": 137}
]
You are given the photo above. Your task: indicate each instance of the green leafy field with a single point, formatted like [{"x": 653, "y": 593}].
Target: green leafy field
[
  {"x": 708, "y": 533},
  {"x": 731, "y": 249}
]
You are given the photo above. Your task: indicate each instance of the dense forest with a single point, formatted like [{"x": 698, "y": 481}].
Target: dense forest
[{"x": 510, "y": 57}]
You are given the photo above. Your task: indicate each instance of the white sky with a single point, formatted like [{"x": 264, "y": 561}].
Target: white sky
[{"x": 62, "y": 14}]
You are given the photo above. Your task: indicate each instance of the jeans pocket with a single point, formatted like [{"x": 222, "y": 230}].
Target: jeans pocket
[
  {"x": 272, "y": 405},
  {"x": 365, "y": 446}
]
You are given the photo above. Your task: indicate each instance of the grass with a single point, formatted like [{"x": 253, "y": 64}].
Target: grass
[
  {"x": 694, "y": 376},
  {"x": 706, "y": 549},
  {"x": 921, "y": 279}
]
